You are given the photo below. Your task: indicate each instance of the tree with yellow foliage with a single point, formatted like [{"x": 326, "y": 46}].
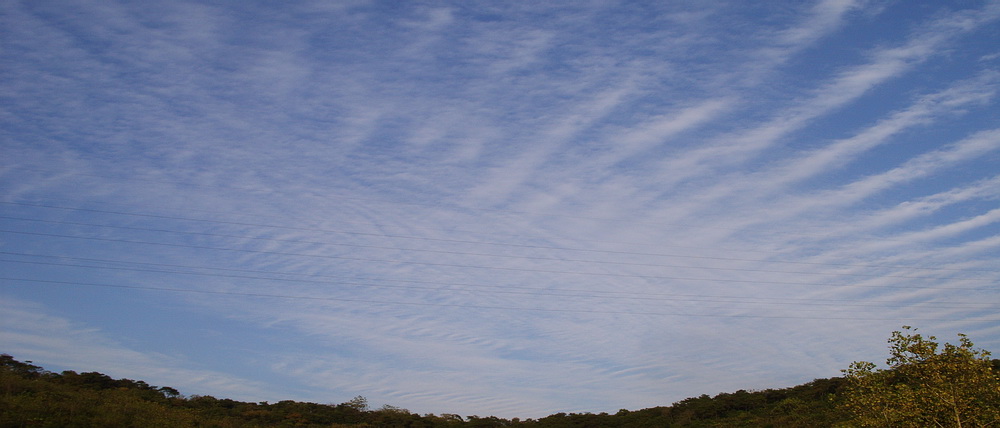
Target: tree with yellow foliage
[{"x": 925, "y": 385}]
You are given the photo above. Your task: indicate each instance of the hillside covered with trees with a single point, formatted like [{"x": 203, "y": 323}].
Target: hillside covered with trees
[{"x": 924, "y": 385}]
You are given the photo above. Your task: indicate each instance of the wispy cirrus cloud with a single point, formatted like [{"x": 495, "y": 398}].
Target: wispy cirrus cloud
[
  {"x": 29, "y": 329},
  {"x": 844, "y": 88},
  {"x": 837, "y": 154},
  {"x": 495, "y": 209}
]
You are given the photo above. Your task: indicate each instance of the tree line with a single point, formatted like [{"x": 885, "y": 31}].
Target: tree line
[{"x": 924, "y": 384}]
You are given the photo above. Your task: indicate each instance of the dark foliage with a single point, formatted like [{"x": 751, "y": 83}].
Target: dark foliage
[{"x": 33, "y": 397}]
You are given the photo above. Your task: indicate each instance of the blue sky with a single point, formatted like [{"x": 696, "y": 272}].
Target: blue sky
[{"x": 494, "y": 208}]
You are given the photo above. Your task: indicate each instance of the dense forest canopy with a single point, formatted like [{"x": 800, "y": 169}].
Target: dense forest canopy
[
  {"x": 925, "y": 384},
  {"x": 32, "y": 396}
]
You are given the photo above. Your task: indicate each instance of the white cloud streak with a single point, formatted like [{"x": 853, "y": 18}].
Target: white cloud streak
[{"x": 494, "y": 209}]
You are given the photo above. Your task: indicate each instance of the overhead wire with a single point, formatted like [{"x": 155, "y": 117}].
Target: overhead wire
[
  {"x": 455, "y": 265},
  {"x": 463, "y": 305},
  {"x": 556, "y": 292},
  {"x": 600, "y": 294},
  {"x": 340, "y": 196},
  {"x": 415, "y": 281},
  {"x": 533, "y": 246},
  {"x": 467, "y": 253}
]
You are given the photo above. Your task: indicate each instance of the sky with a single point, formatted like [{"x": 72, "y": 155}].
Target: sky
[{"x": 494, "y": 208}]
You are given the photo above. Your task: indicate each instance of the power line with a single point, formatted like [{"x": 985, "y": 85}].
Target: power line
[
  {"x": 423, "y": 204},
  {"x": 563, "y": 272},
  {"x": 586, "y": 250},
  {"x": 539, "y": 292},
  {"x": 380, "y": 201},
  {"x": 456, "y": 305},
  {"x": 466, "y": 253},
  {"x": 459, "y": 284}
]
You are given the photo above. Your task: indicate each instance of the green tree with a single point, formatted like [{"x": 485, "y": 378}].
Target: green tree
[
  {"x": 358, "y": 403},
  {"x": 925, "y": 385}
]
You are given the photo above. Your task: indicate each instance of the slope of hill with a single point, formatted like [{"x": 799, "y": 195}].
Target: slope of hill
[{"x": 31, "y": 396}]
